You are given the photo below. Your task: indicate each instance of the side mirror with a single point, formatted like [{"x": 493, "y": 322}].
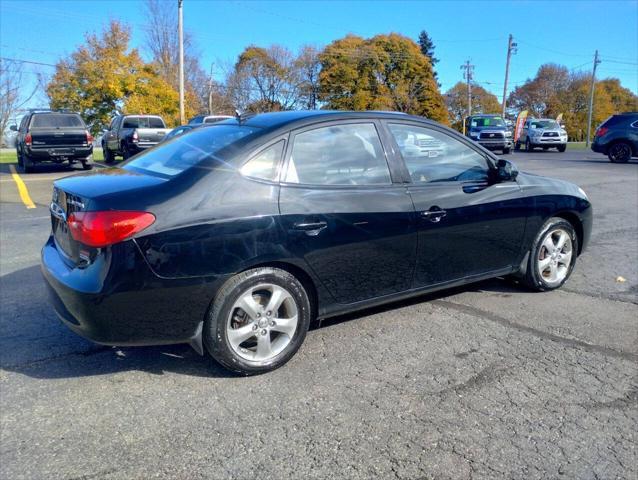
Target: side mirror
[
  {"x": 506, "y": 170},
  {"x": 13, "y": 128}
]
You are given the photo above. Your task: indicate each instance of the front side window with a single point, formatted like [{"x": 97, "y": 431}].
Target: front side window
[
  {"x": 264, "y": 164},
  {"x": 432, "y": 156},
  {"x": 349, "y": 154}
]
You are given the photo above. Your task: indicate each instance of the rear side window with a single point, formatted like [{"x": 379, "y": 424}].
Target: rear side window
[
  {"x": 56, "y": 120},
  {"x": 143, "y": 122},
  {"x": 185, "y": 151},
  {"x": 264, "y": 165},
  {"x": 432, "y": 156},
  {"x": 349, "y": 154}
]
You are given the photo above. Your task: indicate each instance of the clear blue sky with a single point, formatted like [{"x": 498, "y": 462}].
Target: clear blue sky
[{"x": 564, "y": 32}]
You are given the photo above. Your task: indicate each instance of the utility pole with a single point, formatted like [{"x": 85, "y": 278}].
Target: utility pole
[
  {"x": 210, "y": 91},
  {"x": 468, "y": 76},
  {"x": 180, "y": 33},
  {"x": 591, "y": 97},
  {"x": 511, "y": 49}
]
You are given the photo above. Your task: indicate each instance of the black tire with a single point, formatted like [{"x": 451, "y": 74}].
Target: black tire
[
  {"x": 619, "y": 152},
  {"x": 28, "y": 165},
  {"x": 19, "y": 156},
  {"x": 87, "y": 164},
  {"x": 562, "y": 148},
  {"x": 215, "y": 327},
  {"x": 506, "y": 151},
  {"x": 533, "y": 277},
  {"x": 126, "y": 153},
  {"x": 109, "y": 157},
  {"x": 517, "y": 146},
  {"x": 528, "y": 145}
]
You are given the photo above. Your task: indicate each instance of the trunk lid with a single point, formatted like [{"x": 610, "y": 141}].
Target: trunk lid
[
  {"x": 151, "y": 135},
  {"x": 58, "y": 137},
  {"x": 102, "y": 190}
]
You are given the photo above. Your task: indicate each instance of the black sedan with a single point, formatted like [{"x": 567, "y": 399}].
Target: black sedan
[{"x": 233, "y": 238}]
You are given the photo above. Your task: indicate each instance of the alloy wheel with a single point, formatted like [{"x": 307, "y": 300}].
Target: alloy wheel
[
  {"x": 262, "y": 322},
  {"x": 620, "y": 152},
  {"x": 555, "y": 256}
]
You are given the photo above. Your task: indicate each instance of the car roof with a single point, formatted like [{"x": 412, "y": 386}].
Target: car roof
[{"x": 275, "y": 120}]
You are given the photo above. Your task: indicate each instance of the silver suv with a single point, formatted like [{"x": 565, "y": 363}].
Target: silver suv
[{"x": 542, "y": 132}]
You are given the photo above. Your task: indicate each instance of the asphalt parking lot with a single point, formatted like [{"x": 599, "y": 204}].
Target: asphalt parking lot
[{"x": 487, "y": 381}]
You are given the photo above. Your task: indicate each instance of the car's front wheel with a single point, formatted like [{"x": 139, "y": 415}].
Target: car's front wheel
[
  {"x": 562, "y": 148},
  {"x": 528, "y": 145},
  {"x": 619, "y": 152},
  {"x": 109, "y": 157},
  {"x": 258, "y": 320},
  {"x": 553, "y": 255}
]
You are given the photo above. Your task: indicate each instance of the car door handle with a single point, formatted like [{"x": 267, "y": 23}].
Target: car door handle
[
  {"x": 312, "y": 229},
  {"x": 434, "y": 216}
]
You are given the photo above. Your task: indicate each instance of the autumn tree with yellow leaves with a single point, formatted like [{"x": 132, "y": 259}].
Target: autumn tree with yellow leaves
[
  {"x": 104, "y": 77},
  {"x": 385, "y": 72}
]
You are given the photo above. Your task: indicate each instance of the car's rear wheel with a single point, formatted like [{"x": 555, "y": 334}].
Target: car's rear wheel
[
  {"x": 28, "y": 164},
  {"x": 87, "y": 164},
  {"x": 258, "y": 321},
  {"x": 553, "y": 255},
  {"x": 126, "y": 152},
  {"x": 109, "y": 157},
  {"x": 619, "y": 152}
]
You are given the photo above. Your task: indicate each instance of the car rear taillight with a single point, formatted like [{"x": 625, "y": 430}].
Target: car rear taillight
[
  {"x": 601, "y": 131},
  {"x": 135, "y": 136},
  {"x": 100, "y": 229},
  {"x": 89, "y": 137},
  {"x": 28, "y": 139}
]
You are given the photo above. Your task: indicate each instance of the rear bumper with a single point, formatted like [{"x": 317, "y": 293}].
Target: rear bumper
[
  {"x": 59, "y": 154},
  {"x": 118, "y": 300}
]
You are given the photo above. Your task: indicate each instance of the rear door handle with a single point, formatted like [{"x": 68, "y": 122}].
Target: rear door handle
[
  {"x": 434, "y": 216},
  {"x": 311, "y": 229}
]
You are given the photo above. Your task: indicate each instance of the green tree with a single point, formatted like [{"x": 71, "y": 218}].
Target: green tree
[
  {"x": 456, "y": 101},
  {"x": 385, "y": 72},
  {"x": 427, "y": 48},
  {"x": 104, "y": 77}
]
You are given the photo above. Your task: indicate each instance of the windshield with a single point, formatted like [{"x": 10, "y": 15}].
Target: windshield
[
  {"x": 54, "y": 120},
  {"x": 487, "y": 122},
  {"x": 143, "y": 122},
  {"x": 544, "y": 124},
  {"x": 184, "y": 151}
]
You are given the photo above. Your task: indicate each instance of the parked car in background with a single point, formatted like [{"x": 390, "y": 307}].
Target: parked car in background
[
  {"x": 617, "y": 137},
  {"x": 234, "y": 237},
  {"x": 490, "y": 131},
  {"x": 544, "y": 133},
  {"x": 177, "y": 131},
  {"x": 130, "y": 134},
  {"x": 52, "y": 136},
  {"x": 199, "y": 119}
]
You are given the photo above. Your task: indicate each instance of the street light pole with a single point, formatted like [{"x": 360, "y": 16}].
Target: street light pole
[
  {"x": 180, "y": 33},
  {"x": 591, "y": 97}
]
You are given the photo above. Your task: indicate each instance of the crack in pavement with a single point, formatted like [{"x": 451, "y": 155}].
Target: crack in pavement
[{"x": 569, "y": 342}]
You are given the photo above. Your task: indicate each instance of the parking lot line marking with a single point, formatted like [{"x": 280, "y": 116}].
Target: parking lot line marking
[{"x": 22, "y": 188}]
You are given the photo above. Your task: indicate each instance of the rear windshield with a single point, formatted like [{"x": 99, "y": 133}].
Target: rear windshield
[
  {"x": 184, "y": 151},
  {"x": 487, "y": 122},
  {"x": 143, "y": 122},
  {"x": 55, "y": 120}
]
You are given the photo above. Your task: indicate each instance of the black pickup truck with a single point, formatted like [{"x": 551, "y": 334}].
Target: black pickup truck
[
  {"x": 52, "y": 136},
  {"x": 130, "y": 134}
]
